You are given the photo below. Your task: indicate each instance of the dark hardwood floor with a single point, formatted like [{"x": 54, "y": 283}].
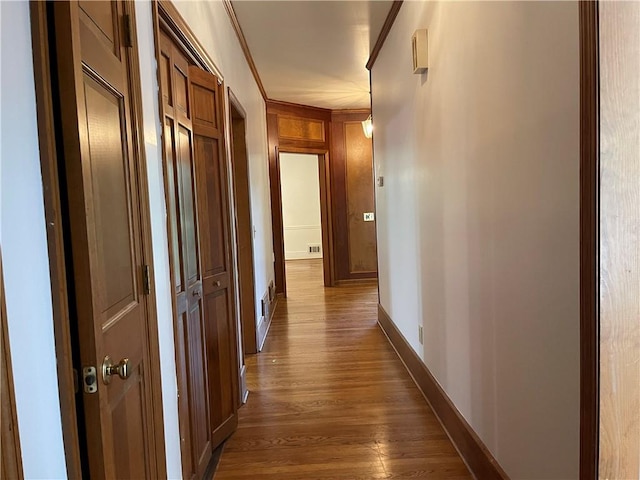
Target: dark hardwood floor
[{"x": 329, "y": 398}]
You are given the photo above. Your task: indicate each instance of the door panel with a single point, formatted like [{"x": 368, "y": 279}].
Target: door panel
[
  {"x": 187, "y": 201},
  {"x": 213, "y": 217},
  {"x": 101, "y": 17},
  {"x": 106, "y": 235},
  {"x": 104, "y": 116},
  {"x": 214, "y": 248},
  {"x": 221, "y": 355}
]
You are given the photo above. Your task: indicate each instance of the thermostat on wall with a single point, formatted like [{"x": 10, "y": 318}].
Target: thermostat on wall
[{"x": 419, "y": 45}]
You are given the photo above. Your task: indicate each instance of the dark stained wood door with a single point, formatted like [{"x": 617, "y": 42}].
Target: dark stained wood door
[
  {"x": 190, "y": 329},
  {"x": 213, "y": 216},
  {"x": 101, "y": 164}
]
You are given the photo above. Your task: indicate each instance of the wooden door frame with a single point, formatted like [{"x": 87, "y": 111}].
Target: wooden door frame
[
  {"x": 589, "y": 238},
  {"x": 58, "y": 255},
  {"x": 9, "y": 435},
  {"x": 324, "y": 174},
  {"x": 249, "y": 328}
]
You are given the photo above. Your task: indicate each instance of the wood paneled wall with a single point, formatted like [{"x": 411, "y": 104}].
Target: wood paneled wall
[
  {"x": 352, "y": 181},
  {"x": 348, "y": 173}
]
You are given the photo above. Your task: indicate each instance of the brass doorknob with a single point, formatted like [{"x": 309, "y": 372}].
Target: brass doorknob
[{"x": 122, "y": 369}]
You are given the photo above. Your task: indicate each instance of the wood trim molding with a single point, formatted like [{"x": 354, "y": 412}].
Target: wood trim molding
[
  {"x": 176, "y": 26},
  {"x": 244, "y": 278},
  {"x": 357, "y": 281},
  {"x": 55, "y": 235},
  {"x": 11, "y": 456},
  {"x": 297, "y": 109},
  {"x": 233, "y": 100},
  {"x": 352, "y": 111},
  {"x": 473, "y": 451},
  {"x": 589, "y": 239},
  {"x": 386, "y": 28},
  {"x": 245, "y": 47}
]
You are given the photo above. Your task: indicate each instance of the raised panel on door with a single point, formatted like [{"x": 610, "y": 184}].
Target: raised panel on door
[
  {"x": 211, "y": 204},
  {"x": 217, "y": 281},
  {"x": 187, "y": 205},
  {"x": 104, "y": 211},
  {"x": 198, "y": 389},
  {"x": 222, "y": 374}
]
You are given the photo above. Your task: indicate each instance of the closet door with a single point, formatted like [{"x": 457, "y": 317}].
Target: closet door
[
  {"x": 217, "y": 269},
  {"x": 189, "y": 326}
]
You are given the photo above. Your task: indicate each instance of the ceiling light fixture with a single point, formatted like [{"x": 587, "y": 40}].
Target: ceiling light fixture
[{"x": 367, "y": 127}]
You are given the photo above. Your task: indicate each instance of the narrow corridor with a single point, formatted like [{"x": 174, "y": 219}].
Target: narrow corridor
[{"x": 329, "y": 398}]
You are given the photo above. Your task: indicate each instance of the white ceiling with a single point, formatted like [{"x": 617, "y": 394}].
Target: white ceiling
[{"x": 313, "y": 52}]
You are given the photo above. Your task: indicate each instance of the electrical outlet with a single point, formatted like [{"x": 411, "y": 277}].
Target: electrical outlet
[{"x": 420, "y": 335}]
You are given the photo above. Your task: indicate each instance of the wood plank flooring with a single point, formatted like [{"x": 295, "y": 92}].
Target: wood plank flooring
[{"x": 329, "y": 398}]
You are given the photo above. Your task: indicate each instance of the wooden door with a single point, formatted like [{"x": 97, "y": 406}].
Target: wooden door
[
  {"x": 109, "y": 302},
  {"x": 214, "y": 233},
  {"x": 190, "y": 330}
]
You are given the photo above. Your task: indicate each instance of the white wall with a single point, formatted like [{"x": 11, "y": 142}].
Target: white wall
[
  {"x": 24, "y": 254},
  {"x": 300, "y": 185},
  {"x": 478, "y": 218}
]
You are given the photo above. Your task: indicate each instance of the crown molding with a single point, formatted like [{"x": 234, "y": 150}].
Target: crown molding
[
  {"x": 245, "y": 47},
  {"x": 386, "y": 28}
]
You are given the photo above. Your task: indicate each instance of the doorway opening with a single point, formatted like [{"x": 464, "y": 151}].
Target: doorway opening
[{"x": 300, "y": 175}]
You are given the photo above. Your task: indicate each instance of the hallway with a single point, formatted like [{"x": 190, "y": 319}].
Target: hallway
[{"x": 329, "y": 397}]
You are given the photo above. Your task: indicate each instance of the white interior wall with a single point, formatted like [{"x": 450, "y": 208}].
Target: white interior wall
[
  {"x": 25, "y": 256},
  {"x": 300, "y": 185},
  {"x": 478, "y": 218}
]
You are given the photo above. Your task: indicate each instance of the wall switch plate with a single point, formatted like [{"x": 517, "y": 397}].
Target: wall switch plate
[
  {"x": 420, "y": 335},
  {"x": 369, "y": 217}
]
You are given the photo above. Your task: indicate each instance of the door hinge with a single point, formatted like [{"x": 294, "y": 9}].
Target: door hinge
[
  {"x": 146, "y": 279},
  {"x": 128, "y": 31}
]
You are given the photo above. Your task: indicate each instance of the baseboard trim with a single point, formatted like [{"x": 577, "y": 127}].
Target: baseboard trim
[
  {"x": 265, "y": 323},
  {"x": 244, "y": 391},
  {"x": 356, "y": 281},
  {"x": 472, "y": 450}
]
